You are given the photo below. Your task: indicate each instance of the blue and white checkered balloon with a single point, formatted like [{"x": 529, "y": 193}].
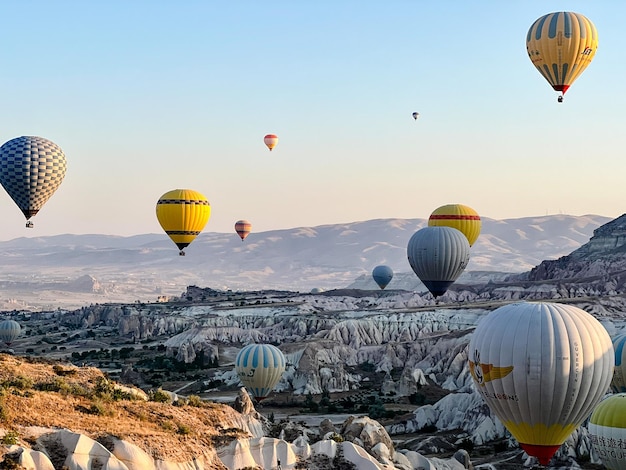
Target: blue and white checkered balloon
[{"x": 31, "y": 170}]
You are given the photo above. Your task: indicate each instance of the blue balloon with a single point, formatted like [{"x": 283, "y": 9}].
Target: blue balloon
[{"x": 382, "y": 275}]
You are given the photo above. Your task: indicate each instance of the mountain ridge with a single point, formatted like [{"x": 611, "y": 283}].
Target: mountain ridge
[{"x": 144, "y": 267}]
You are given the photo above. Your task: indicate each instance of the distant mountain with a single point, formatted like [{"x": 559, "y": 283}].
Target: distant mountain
[{"x": 141, "y": 267}]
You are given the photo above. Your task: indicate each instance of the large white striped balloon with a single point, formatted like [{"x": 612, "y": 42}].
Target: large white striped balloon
[
  {"x": 260, "y": 367},
  {"x": 541, "y": 368},
  {"x": 607, "y": 429}
]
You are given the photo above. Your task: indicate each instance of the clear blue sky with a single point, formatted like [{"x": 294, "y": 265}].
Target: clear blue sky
[{"x": 149, "y": 96}]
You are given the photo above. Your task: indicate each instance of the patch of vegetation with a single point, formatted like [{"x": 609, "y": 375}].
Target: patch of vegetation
[
  {"x": 159, "y": 396},
  {"x": 10, "y": 438},
  {"x": 20, "y": 382}
]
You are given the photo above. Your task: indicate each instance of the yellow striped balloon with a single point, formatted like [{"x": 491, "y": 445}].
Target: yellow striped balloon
[
  {"x": 561, "y": 45},
  {"x": 607, "y": 429},
  {"x": 463, "y": 218},
  {"x": 183, "y": 213}
]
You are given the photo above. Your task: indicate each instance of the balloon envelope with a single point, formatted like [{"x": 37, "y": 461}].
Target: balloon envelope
[
  {"x": 270, "y": 140},
  {"x": 458, "y": 216},
  {"x": 438, "y": 255},
  {"x": 260, "y": 367},
  {"x": 541, "y": 368},
  {"x": 31, "y": 170},
  {"x": 416, "y": 115},
  {"x": 183, "y": 213},
  {"x": 618, "y": 383},
  {"x": 382, "y": 275},
  {"x": 561, "y": 45},
  {"x": 243, "y": 228},
  {"x": 9, "y": 331},
  {"x": 607, "y": 429}
]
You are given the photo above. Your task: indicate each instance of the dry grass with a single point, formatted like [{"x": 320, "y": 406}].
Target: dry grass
[{"x": 167, "y": 432}]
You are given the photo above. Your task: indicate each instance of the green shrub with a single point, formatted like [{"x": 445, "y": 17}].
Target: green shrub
[
  {"x": 20, "y": 382},
  {"x": 10, "y": 438},
  {"x": 195, "y": 400},
  {"x": 159, "y": 396}
]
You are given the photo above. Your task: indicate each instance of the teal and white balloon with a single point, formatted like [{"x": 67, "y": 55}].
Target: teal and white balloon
[
  {"x": 9, "y": 331},
  {"x": 618, "y": 383},
  {"x": 438, "y": 255},
  {"x": 31, "y": 170},
  {"x": 260, "y": 367}
]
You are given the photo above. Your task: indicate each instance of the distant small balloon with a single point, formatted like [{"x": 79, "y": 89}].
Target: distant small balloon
[
  {"x": 416, "y": 115},
  {"x": 243, "y": 228},
  {"x": 9, "y": 331},
  {"x": 271, "y": 140},
  {"x": 382, "y": 275}
]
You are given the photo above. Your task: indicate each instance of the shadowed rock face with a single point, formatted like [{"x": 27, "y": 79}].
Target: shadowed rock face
[{"x": 601, "y": 261}]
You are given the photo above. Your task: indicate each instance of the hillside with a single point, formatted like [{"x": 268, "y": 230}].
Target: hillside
[{"x": 37, "y": 398}]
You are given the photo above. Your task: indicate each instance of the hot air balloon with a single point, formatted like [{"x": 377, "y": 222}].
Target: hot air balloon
[
  {"x": 270, "y": 140},
  {"x": 382, "y": 275},
  {"x": 607, "y": 429},
  {"x": 260, "y": 367},
  {"x": 243, "y": 227},
  {"x": 541, "y": 368},
  {"x": 183, "y": 213},
  {"x": 31, "y": 170},
  {"x": 9, "y": 331},
  {"x": 438, "y": 255},
  {"x": 561, "y": 45},
  {"x": 618, "y": 383},
  {"x": 416, "y": 115},
  {"x": 457, "y": 216}
]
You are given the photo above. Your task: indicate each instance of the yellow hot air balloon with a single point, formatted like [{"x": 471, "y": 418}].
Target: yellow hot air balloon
[
  {"x": 270, "y": 140},
  {"x": 541, "y": 368},
  {"x": 260, "y": 367},
  {"x": 183, "y": 213},
  {"x": 607, "y": 429},
  {"x": 458, "y": 216},
  {"x": 561, "y": 45},
  {"x": 243, "y": 228}
]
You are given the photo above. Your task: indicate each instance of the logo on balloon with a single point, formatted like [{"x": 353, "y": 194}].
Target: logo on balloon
[{"x": 484, "y": 373}]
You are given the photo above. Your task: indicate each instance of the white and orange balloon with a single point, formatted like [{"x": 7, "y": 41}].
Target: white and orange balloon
[
  {"x": 541, "y": 368},
  {"x": 243, "y": 228},
  {"x": 271, "y": 140}
]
